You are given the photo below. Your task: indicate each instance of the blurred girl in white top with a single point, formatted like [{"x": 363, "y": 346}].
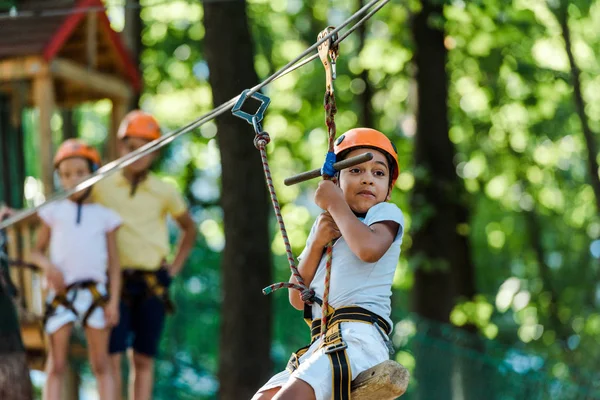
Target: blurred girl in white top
[{"x": 81, "y": 239}]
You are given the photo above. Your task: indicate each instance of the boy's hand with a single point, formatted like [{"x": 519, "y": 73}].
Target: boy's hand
[
  {"x": 326, "y": 230},
  {"x": 111, "y": 313},
  {"x": 328, "y": 193},
  {"x": 55, "y": 278},
  {"x": 5, "y": 212}
]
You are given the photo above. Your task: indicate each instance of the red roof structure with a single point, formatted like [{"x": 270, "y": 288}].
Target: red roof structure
[{"x": 60, "y": 28}]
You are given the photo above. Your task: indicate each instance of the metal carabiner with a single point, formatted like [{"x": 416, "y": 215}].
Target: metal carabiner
[{"x": 328, "y": 53}]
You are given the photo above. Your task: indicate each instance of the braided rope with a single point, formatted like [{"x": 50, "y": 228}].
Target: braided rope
[
  {"x": 330, "y": 111},
  {"x": 308, "y": 295}
]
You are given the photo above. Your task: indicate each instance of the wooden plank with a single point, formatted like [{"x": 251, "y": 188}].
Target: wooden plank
[
  {"x": 100, "y": 82},
  {"x": 92, "y": 39},
  {"x": 44, "y": 98},
  {"x": 119, "y": 110},
  {"x": 27, "y": 273},
  {"x": 22, "y": 68},
  {"x": 385, "y": 381},
  {"x": 13, "y": 252}
]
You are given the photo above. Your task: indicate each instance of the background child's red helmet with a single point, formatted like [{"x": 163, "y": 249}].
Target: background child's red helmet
[
  {"x": 139, "y": 124},
  {"x": 369, "y": 138},
  {"x": 72, "y": 148}
]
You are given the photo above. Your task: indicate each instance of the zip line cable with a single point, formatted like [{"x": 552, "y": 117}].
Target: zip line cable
[{"x": 150, "y": 147}]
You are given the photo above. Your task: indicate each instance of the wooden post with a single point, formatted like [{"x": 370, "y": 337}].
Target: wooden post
[
  {"x": 92, "y": 39},
  {"x": 43, "y": 92},
  {"x": 71, "y": 385},
  {"x": 119, "y": 109}
]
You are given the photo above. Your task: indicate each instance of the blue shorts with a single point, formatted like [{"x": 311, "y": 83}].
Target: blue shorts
[{"x": 142, "y": 319}]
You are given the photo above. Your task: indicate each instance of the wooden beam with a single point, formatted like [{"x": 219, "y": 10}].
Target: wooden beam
[
  {"x": 385, "y": 381},
  {"x": 43, "y": 88},
  {"x": 119, "y": 109},
  {"x": 93, "y": 80},
  {"x": 22, "y": 68},
  {"x": 92, "y": 39}
]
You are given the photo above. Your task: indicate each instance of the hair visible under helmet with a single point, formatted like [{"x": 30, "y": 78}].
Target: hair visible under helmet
[{"x": 372, "y": 139}]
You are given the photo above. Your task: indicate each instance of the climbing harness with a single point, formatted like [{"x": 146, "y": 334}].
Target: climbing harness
[
  {"x": 62, "y": 299},
  {"x": 112, "y": 167},
  {"x": 152, "y": 287},
  {"x": 335, "y": 346}
]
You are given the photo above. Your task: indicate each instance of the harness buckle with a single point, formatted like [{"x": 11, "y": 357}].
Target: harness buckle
[{"x": 334, "y": 348}]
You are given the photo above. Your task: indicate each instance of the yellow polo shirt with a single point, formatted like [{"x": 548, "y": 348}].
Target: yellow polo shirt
[{"x": 142, "y": 240}]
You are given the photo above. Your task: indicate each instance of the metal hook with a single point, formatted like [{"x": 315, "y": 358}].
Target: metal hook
[{"x": 328, "y": 53}]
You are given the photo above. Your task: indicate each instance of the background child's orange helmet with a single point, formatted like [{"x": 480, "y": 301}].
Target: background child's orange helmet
[
  {"x": 139, "y": 124},
  {"x": 76, "y": 148},
  {"x": 369, "y": 138}
]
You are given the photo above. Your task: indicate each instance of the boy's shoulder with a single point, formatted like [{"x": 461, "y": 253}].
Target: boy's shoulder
[{"x": 385, "y": 211}]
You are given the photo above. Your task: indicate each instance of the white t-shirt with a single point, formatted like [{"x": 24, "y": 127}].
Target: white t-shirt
[
  {"x": 79, "y": 251},
  {"x": 355, "y": 282}
]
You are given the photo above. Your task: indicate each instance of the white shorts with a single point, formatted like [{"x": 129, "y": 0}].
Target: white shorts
[
  {"x": 366, "y": 349},
  {"x": 81, "y": 299}
]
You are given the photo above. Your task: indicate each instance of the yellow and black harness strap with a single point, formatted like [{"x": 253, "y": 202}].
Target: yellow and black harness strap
[
  {"x": 98, "y": 300},
  {"x": 153, "y": 287},
  {"x": 335, "y": 346},
  {"x": 350, "y": 314},
  {"x": 60, "y": 299}
]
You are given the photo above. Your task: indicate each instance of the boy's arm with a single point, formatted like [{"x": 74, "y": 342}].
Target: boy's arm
[
  {"x": 186, "y": 242},
  {"x": 324, "y": 232},
  {"x": 114, "y": 267},
  {"x": 307, "y": 269},
  {"x": 369, "y": 243}
]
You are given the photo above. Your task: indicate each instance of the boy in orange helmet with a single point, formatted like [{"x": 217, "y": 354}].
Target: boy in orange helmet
[
  {"x": 367, "y": 231},
  {"x": 81, "y": 238},
  {"x": 144, "y": 202}
]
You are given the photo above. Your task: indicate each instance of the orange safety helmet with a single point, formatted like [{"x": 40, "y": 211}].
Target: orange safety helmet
[
  {"x": 140, "y": 124},
  {"x": 76, "y": 148},
  {"x": 369, "y": 138}
]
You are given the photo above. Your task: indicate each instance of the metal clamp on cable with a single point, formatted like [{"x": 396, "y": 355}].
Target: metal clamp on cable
[{"x": 256, "y": 118}]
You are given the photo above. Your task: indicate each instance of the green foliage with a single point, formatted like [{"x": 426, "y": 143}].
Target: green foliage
[{"x": 533, "y": 231}]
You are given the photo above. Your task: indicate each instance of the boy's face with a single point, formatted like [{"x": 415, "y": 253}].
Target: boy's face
[
  {"x": 366, "y": 184},
  {"x": 131, "y": 144},
  {"x": 71, "y": 172}
]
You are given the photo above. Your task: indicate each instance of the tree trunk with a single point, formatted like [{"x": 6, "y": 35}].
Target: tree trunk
[
  {"x": 244, "y": 362},
  {"x": 14, "y": 373},
  {"x": 444, "y": 270},
  {"x": 132, "y": 34},
  {"x": 590, "y": 141}
]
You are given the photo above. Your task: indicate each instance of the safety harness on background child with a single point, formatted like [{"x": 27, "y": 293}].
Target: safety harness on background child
[
  {"x": 329, "y": 325},
  {"x": 152, "y": 286},
  {"x": 67, "y": 297}
]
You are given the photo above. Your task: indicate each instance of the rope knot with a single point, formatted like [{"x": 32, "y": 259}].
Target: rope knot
[
  {"x": 261, "y": 140},
  {"x": 308, "y": 296}
]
